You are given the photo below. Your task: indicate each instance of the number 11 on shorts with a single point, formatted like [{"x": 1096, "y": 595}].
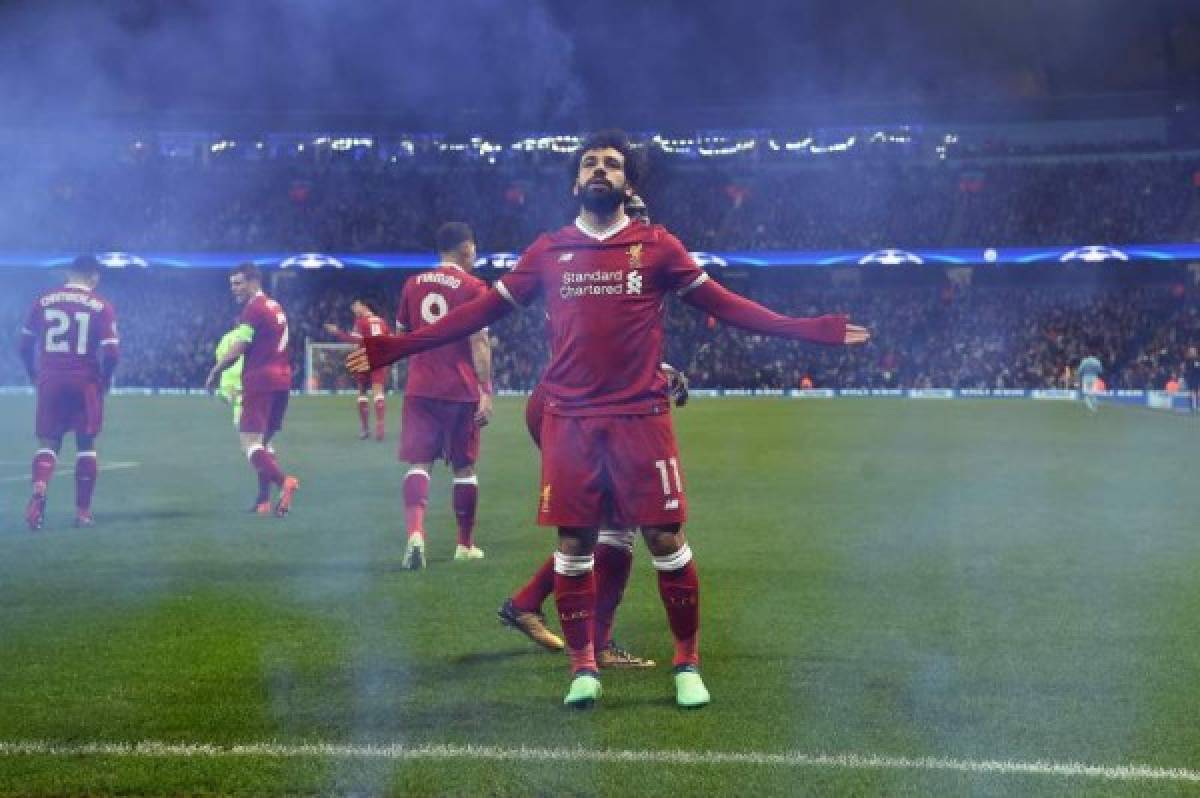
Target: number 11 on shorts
[{"x": 665, "y": 475}]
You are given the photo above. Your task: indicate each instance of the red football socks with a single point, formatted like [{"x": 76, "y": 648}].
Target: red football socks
[
  {"x": 613, "y": 564},
  {"x": 679, "y": 587},
  {"x": 364, "y": 412},
  {"x": 266, "y": 465},
  {"x": 575, "y": 595},
  {"x": 530, "y": 597},
  {"x": 466, "y": 497},
  {"x": 380, "y": 414},
  {"x": 416, "y": 496},
  {"x": 85, "y": 479},
  {"x": 43, "y": 467}
]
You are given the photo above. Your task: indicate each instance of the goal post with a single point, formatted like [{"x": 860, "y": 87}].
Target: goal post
[{"x": 325, "y": 368}]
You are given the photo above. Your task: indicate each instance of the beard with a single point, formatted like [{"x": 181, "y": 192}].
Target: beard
[{"x": 600, "y": 200}]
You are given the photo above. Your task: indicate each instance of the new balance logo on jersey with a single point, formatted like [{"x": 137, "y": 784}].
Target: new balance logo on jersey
[
  {"x": 671, "y": 504},
  {"x": 633, "y": 282},
  {"x": 566, "y": 257}
]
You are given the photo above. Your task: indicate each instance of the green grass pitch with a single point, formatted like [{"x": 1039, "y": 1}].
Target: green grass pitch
[{"x": 974, "y": 581}]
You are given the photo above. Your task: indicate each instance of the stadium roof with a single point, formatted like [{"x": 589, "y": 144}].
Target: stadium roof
[{"x": 479, "y": 63}]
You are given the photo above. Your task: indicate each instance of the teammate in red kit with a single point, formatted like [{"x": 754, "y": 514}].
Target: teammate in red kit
[
  {"x": 366, "y": 324},
  {"x": 447, "y": 397},
  {"x": 262, "y": 337},
  {"x": 70, "y": 348},
  {"x": 613, "y": 556},
  {"x": 608, "y": 446}
]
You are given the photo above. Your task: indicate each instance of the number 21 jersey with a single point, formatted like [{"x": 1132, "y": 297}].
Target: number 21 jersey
[
  {"x": 447, "y": 372},
  {"x": 69, "y": 325}
]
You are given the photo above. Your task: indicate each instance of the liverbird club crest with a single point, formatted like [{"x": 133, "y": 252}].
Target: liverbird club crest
[{"x": 635, "y": 256}]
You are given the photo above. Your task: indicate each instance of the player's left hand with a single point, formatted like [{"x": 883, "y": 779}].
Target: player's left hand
[
  {"x": 483, "y": 414},
  {"x": 330, "y": 328},
  {"x": 856, "y": 334},
  {"x": 210, "y": 383},
  {"x": 357, "y": 361}
]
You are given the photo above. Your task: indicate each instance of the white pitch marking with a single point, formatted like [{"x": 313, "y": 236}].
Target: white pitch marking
[
  {"x": 397, "y": 751},
  {"x": 115, "y": 465}
]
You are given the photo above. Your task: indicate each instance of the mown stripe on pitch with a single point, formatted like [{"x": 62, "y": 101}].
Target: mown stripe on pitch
[{"x": 398, "y": 751}]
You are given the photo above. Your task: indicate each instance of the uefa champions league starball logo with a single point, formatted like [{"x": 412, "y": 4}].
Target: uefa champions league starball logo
[
  {"x": 890, "y": 257},
  {"x": 501, "y": 261},
  {"x": 1094, "y": 254},
  {"x": 706, "y": 259},
  {"x": 312, "y": 261},
  {"x": 121, "y": 260}
]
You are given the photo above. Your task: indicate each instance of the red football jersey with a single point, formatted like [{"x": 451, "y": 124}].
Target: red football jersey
[
  {"x": 370, "y": 327},
  {"x": 364, "y": 327},
  {"x": 268, "y": 365},
  {"x": 447, "y": 372},
  {"x": 604, "y": 298},
  {"x": 68, "y": 326}
]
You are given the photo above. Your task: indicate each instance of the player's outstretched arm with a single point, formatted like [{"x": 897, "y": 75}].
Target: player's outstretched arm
[
  {"x": 717, "y": 300},
  {"x": 344, "y": 337},
  {"x": 384, "y": 350}
]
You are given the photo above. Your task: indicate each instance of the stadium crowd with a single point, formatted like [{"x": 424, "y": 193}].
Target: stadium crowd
[
  {"x": 997, "y": 331},
  {"x": 374, "y": 205}
]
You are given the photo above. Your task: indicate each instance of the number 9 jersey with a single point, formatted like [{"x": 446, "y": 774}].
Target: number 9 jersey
[{"x": 446, "y": 372}]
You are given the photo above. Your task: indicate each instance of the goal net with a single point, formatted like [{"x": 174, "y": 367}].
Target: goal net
[{"x": 325, "y": 368}]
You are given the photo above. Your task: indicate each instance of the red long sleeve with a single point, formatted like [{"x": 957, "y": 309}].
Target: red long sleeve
[
  {"x": 110, "y": 355},
  {"x": 713, "y": 298},
  {"x": 26, "y": 350},
  {"x": 383, "y": 350}
]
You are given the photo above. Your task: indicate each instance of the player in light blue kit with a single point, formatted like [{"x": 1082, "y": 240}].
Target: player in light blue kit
[{"x": 1090, "y": 370}]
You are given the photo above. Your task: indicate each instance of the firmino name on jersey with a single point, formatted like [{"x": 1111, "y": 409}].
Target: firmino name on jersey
[
  {"x": 72, "y": 296},
  {"x": 448, "y": 280}
]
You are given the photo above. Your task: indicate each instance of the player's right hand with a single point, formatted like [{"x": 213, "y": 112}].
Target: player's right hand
[
  {"x": 357, "y": 361},
  {"x": 331, "y": 328},
  {"x": 483, "y": 413},
  {"x": 210, "y": 383}
]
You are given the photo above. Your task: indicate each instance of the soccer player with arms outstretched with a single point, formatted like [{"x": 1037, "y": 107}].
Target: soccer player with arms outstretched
[
  {"x": 608, "y": 445},
  {"x": 448, "y": 394},
  {"x": 262, "y": 339},
  {"x": 366, "y": 324},
  {"x": 70, "y": 349}
]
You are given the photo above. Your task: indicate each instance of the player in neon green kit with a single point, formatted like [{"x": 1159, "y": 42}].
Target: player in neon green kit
[
  {"x": 230, "y": 387},
  {"x": 1090, "y": 370}
]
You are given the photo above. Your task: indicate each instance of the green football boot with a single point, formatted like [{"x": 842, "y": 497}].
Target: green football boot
[
  {"x": 690, "y": 692},
  {"x": 585, "y": 689}
]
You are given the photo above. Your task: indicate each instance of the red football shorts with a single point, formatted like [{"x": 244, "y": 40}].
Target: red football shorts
[
  {"x": 534, "y": 409},
  {"x": 376, "y": 377},
  {"x": 263, "y": 411},
  {"x": 436, "y": 429},
  {"x": 68, "y": 404},
  {"x": 610, "y": 470}
]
